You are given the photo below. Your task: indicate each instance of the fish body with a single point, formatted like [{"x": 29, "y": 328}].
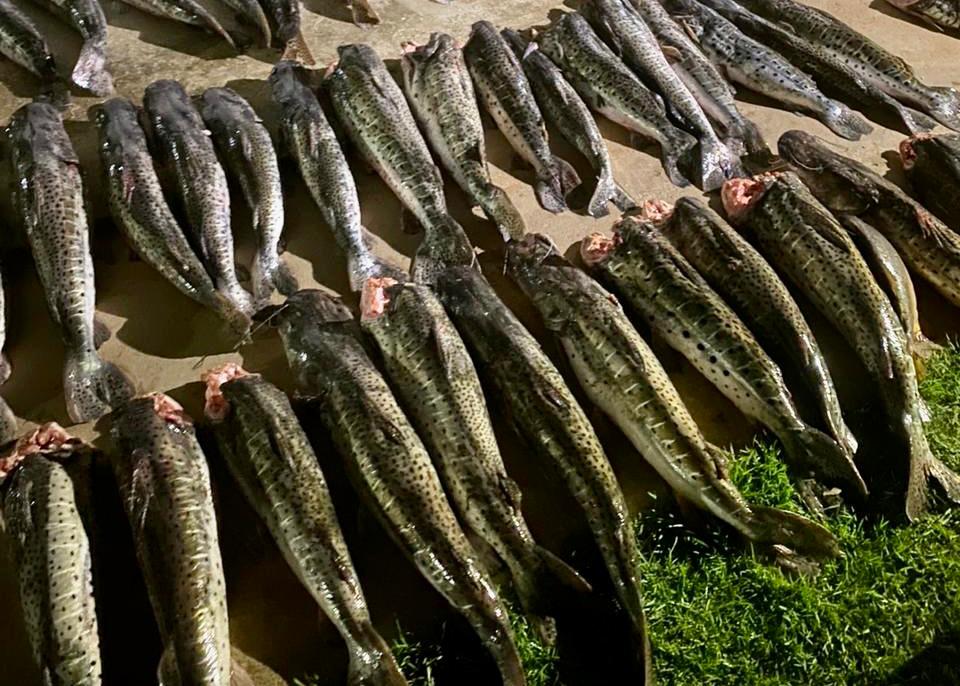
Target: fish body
[
  {"x": 932, "y": 164},
  {"x": 613, "y": 90},
  {"x": 285, "y": 17},
  {"x": 389, "y": 465},
  {"x": 806, "y": 243},
  {"x": 623, "y": 28},
  {"x": 184, "y": 11},
  {"x": 182, "y": 142},
  {"x": 270, "y": 457},
  {"x": 251, "y": 13},
  {"x": 8, "y": 420},
  {"x": 877, "y": 66},
  {"x": 21, "y": 42},
  {"x": 553, "y": 426},
  {"x": 505, "y": 93},
  {"x": 247, "y": 151},
  {"x": 138, "y": 207},
  {"x": 49, "y": 197},
  {"x": 441, "y": 94},
  {"x": 944, "y": 14},
  {"x": 372, "y": 108},
  {"x": 164, "y": 484},
  {"x": 86, "y": 17},
  {"x": 52, "y": 556}
]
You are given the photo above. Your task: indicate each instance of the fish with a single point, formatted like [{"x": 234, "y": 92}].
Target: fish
[
  {"x": 551, "y": 424},
  {"x": 505, "y": 93},
  {"x": 181, "y": 143},
  {"x": 269, "y": 456},
  {"x": 704, "y": 80},
  {"x": 362, "y": 12},
  {"x": 373, "y": 110},
  {"x": 186, "y": 12},
  {"x": 932, "y": 165},
  {"x": 251, "y": 13},
  {"x": 22, "y": 42},
  {"x": 442, "y": 97},
  {"x": 438, "y": 386},
  {"x": 51, "y": 553},
  {"x": 613, "y": 90},
  {"x": 389, "y": 465},
  {"x": 757, "y": 67},
  {"x": 621, "y": 375},
  {"x": 751, "y": 287},
  {"x": 847, "y": 187},
  {"x": 567, "y": 111},
  {"x": 876, "y": 65},
  {"x": 48, "y": 196},
  {"x": 623, "y": 29},
  {"x": 164, "y": 483},
  {"x": 285, "y": 16},
  {"x": 943, "y": 14},
  {"x": 8, "y": 420},
  {"x": 140, "y": 210},
  {"x": 805, "y": 242},
  {"x": 830, "y": 72},
  {"x": 246, "y": 150},
  {"x": 86, "y": 17},
  {"x": 644, "y": 269}
]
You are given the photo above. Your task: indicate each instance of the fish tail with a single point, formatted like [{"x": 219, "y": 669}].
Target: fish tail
[
  {"x": 717, "y": 164},
  {"x": 239, "y": 297},
  {"x": 297, "y": 50},
  {"x": 371, "y": 662},
  {"x": 607, "y": 191},
  {"x": 946, "y": 480},
  {"x": 365, "y": 266},
  {"x": 845, "y": 122},
  {"x": 797, "y": 543},
  {"x": 946, "y": 107},
  {"x": 363, "y": 13},
  {"x": 816, "y": 452},
  {"x": 90, "y": 71},
  {"x": 260, "y": 21},
  {"x": 503, "y": 213},
  {"x": 540, "y": 585},
  {"x": 238, "y": 320},
  {"x": 445, "y": 245},
  {"x": 93, "y": 386},
  {"x": 267, "y": 274},
  {"x": 553, "y": 186},
  {"x": 921, "y": 349},
  {"x": 676, "y": 154},
  {"x": 215, "y": 26}
]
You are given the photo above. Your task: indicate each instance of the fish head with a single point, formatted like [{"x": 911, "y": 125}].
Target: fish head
[
  {"x": 50, "y": 438},
  {"x": 37, "y": 128},
  {"x": 287, "y": 81},
  {"x": 912, "y": 148},
  {"x": 415, "y": 59},
  {"x": 739, "y": 196},
  {"x": 376, "y": 295},
  {"x": 517, "y": 42},
  {"x": 216, "y": 406},
  {"x": 226, "y": 103},
  {"x": 595, "y": 248},
  {"x": 839, "y": 183},
  {"x": 117, "y": 121},
  {"x": 527, "y": 256},
  {"x": 167, "y": 106},
  {"x": 657, "y": 212},
  {"x": 358, "y": 59}
]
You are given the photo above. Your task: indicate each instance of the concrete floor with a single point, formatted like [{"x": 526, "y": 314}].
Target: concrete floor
[{"x": 164, "y": 341}]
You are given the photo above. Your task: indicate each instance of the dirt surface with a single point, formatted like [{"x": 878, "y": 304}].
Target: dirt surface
[{"x": 165, "y": 341}]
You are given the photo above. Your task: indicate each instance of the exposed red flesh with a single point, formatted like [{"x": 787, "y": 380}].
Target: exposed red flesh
[
  {"x": 374, "y": 298},
  {"x": 215, "y": 405}
]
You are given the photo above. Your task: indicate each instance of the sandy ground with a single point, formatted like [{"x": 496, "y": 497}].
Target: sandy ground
[{"x": 164, "y": 341}]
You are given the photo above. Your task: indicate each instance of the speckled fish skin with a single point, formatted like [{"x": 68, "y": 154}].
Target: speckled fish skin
[
  {"x": 164, "y": 483},
  {"x": 566, "y": 110},
  {"x": 505, "y": 94},
  {"x": 388, "y": 464},
  {"x": 285, "y": 15},
  {"x": 271, "y": 459},
  {"x": 181, "y": 141},
  {"x": 845, "y": 186},
  {"x": 752, "y": 64},
  {"x": 21, "y": 42},
  {"x": 49, "y": 198},
  {"x": 703, "y": 79},
  {"x": 247, "y": 152},
  {"x": 86, "y": 17},
  {"x": 139, "y": 208},
  {"x": 620, "y": 373},
  {"x": 552, "y": 424},
  {"x": 942, "y": 13},
  {"x": 441, "y": 94},
  {"x": 611, "y": 89},
  {"x": 52, "y": 557},
  {"x": 184, "y": 11},
  {"x": 879, "y": 67},
  {"x": 371, "y": 106},
  {"x": 747, "y": 282},
  {"x": 805, "y": 242},
  {"x": 624, "y": 29},
  {"x": 932, "y": 164}
]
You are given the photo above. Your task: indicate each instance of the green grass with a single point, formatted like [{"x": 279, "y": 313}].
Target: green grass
[{"x": 887, "y": 613}]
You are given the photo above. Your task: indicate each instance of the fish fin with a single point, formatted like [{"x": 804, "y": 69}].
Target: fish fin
[
  {"x": 362, "y": 13},
  {"x": 932, "y": 229},
  {"x": 501, "y": 210},
  {"x": 797, "y": 544},
  {"x": 717, "y": 164},
  {"x": 846, "y": 123},
  {"x": 921, "y": 348},
  {"x": 92, "y": 386},
  {"x": 286, "y": 282},
  {"x": 5, "y": 368},
  {"x": 543, "y": 587},
  {"x": 101, "y": 333},
  {"x": 813, "y": 452},
  {"x": 261, "y": 23},
  {"x": 552, "y": 190},
  {"x": 167, "y": 673},
  {"x": 90, "y": 71},
  {"x": 945, "y": 479},
  {"x": 371, "y": 662},
  {"x": 297, "y": 50},
  {"x": 622, "y": 200}
]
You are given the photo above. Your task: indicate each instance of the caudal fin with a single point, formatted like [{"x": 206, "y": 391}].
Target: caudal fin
[
  {"x": 677, "y": 157},
  {"x": 297, "y": 50},
  {"x": 93, "y": 386},
  {"x": 268, "y": 275},
  {"x": 541, "y": 587},
  {"x": 552, "y": 188},
  {"x": 845, "y": 122},
  {"x": 606, "y": 192},
  {"x": 363, "y": 13},
  {"x": 717, "y": 164},
  {"x": 797, "y": 543},
  {"x": 502, "y": 212},
  {"x": 372, "y": 663},
  {"x": 814, "y": 452},
  {"x": 90, "y": 71}
]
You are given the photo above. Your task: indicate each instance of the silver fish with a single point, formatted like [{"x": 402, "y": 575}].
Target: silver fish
[
  {"x": 86, "y": 17},
  {"x": 186, "y": 12},
  {"x": 944, "y": 14}
]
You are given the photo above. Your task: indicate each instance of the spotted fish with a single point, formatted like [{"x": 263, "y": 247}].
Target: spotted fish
[
  {"x": 86, "y": 17},
  {"x": 932, "y": 164}
]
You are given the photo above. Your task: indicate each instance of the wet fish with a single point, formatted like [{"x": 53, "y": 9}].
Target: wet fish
[
  {"x": 848, "y": 187},
  {"x": 552, "y": 425},
  {"x": 388, "y": 464},
  {"x": 747, "y": 282},
  {"x": 181, "y": 142},
  {"x": 21, "y": 42},
  {"x": 505, "y": 94},
  {"x": 164, "y": 483},
  {"x": 8, "y": 420},
  {"x": 611, "y": 89},
  {"x": 944, "y": 14},
  {"x": 362, "y": 12},
  {"x": 250, "y": 12},
  {"x": 439, "y": 388},
  {"x": 648, "y": 272},
  {"x": 247, "y": 152},
  {"x": 624, "y": 29},
  {"x": 371, "y": 106},
  {"x": 620, "y": 373},
  {"x": 932, "y": 164},
  {"x": 886, "y": 71},
  {"x": 308, "y": 137},
  {"x": 271, "y": 459},
  {"x": 800, "y": 236},
  {"x": 438, "y": 86},
  {"x": 566, "y": 110},
  {"x": 186, "y": 12},
  {"x": 86, "y": 17},
  {"x": 49, "y": 198},
  {"x": 752, "y": 64},
  {"x": 285, "y": 16},
  {"x": 138, "y": 207},
  {"x": 52, "y": 555},
  {"x": 703, "y": 79}
]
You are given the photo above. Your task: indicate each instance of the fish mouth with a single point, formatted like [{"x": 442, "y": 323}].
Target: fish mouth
[
  {"x": 215, "y": 405},
  {"x": 374, "y": 297},
  {"x": 46, "y": 439},
  {"x": 657, "y": 212},
  {"x": 740, "y": 195},
  {"x": 596, "y": 247},
  {"x": 169, "y": 410}
]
